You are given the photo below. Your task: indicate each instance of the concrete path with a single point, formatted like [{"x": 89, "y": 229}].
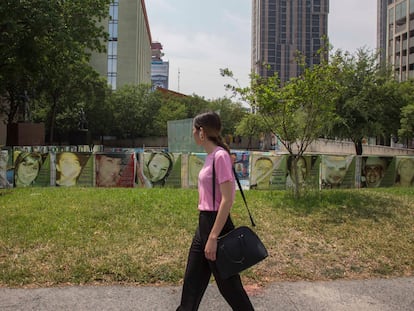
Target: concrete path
[{"x": 362, "y": 295}]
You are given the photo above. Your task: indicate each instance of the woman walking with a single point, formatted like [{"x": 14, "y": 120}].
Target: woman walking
[{"x": 214, "y": 220}]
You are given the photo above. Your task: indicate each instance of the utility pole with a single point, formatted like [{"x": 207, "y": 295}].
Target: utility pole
[{"x": 178, "y": 80}]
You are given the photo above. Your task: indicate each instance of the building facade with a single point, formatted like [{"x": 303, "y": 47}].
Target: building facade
[
  {"x": 159, "y": 67},
  {"x": 128, "y": 56},
  {"x": 399, "y": 34},
  {"x": 382, "y": 29},
  {"x": 283, "y": 29}
]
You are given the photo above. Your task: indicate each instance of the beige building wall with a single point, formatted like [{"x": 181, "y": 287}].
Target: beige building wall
[
  {"x": 133, "y": 46},
  {"x": 400, "y": 38}
]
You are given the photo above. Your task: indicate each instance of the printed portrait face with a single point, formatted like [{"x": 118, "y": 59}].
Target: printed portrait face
[
  {"x": 27, "y": 168},
  {"x": 195, "y": 164},
  {"x": 374, "y": 170},
  {"x": 239, "y": 168},
  {"x": 69, "y": 168},
  {"x": 108, "y": 170},
  {"x": 405, "y": 172},
  {"x": 158, "y": 167},
  {"x": 335, "y": 169},
  {"x": 262, "y": 171}
]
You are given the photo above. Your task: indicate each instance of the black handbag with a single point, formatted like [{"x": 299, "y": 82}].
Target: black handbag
[{"x": 240, "y": 248}]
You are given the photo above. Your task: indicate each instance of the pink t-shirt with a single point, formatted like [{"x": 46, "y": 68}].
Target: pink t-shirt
[{"x": 224, "y": 172}]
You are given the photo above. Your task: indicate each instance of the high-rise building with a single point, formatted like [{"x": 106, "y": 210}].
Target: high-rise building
[
  {"x": 382, "y": 29},
  {"x": 159, "y": 67},
  {"x": 283, "y": 28},
  {"x": 398, "y": 31},
  {"x": 128, "y": 56}
]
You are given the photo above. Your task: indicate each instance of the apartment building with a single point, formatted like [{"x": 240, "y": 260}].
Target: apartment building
[
  {"x": 128, "y": 56},
  {"x": 281, "y": 29},
  {"x": 159, "y": 67},
  {"x": 399, "y": 34}
]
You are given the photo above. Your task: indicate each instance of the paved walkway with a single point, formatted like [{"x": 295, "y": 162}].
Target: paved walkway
[{"x": 367, "y": 295}]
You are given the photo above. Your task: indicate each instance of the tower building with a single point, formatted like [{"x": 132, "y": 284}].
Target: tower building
[
  {"x": 159, "y": 67},
  {"x": 398, "y": 32},
  {"x": 283, "y": 29}
]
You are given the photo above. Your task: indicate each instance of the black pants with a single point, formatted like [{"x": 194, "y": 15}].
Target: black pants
[{"x": 199, "y": 270}]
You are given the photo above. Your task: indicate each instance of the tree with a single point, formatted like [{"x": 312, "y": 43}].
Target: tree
[
  {"x": 135, "y": 109},
  {"x": 407, "y": 124},
  {"x": 45, "y": 43},
  {"x": 406, "y": 131},
  {"x": 194, "y": 105},
  {"x": 298, "y": 112},
  {"x": 369, "y": 103},
  {"x": 23, "y": 25},
  {"x": 252, "y": 125},
  {"x": 231, "y": 113},
  {"x": 171, "y": 109},
  {"x": 79, "y": 85}
]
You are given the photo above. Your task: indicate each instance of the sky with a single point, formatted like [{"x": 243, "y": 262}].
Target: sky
[{"x": 200, "y": 37}]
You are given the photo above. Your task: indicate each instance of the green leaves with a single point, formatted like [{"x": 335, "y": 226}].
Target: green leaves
[
  {"x": 299, "y": 111},
  {"x": 407, "y": 123},
  {"x": 44, "y": 46},
  {"x": 371, "y": 99}
]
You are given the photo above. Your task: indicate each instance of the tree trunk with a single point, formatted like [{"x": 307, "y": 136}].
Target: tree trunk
[
  {"x": 293, "y": 171},
  {"x": 358, "y": 146},
  {"x": 53, "y": 121}
]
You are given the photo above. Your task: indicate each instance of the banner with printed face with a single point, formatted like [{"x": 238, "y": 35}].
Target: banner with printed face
[
  {"x": 159, "y": 169},
  {"x": 267, "y": 171},
  {"x": 302, "y": 171},
  {"x": 377, "y": 171},
  {"x": 404, "y": 172},
  {"x": 73, "y": 169},
  {"x": 115, "y": 169},
  {"x": 174, "y": 178},
  {"x": 140, "y": 180},
  {"x": 31, "y": 168},
  {"x": 6, "y": 168},
  {"x": 241, "y": 162},
  {"x": 337, "y": 171},
  {"x": 195, "y": 163}
]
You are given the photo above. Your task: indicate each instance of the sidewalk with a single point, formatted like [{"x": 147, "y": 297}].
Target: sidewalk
[{"x": 366, "y": 295}]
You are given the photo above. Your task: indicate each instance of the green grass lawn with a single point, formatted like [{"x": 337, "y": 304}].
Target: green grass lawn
[{"x": 60, "y": 236}]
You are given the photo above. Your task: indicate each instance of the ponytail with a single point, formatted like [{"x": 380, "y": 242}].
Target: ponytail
[{"x": 218, "y": 140}]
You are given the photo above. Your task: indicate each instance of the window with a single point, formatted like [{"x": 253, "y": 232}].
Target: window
[
  {"x": 113, "y": 30},
  {"x": 401, "y": 10},
  {"x": 112, "y": 61}
]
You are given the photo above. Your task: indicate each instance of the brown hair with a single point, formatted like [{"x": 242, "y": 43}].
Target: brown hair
[{"x": 211, "y": 124}]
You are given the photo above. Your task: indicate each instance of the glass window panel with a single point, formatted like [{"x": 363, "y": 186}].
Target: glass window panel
[
  {"x": 113, "y": 29},
  {"x": 113, "y": 11},
  {"x": 112, "y": 48},
  {"x": 112, "y": 65}
]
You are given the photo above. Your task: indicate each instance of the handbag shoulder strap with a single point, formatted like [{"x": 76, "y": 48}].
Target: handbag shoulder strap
[{"x": 241, "y": 191}]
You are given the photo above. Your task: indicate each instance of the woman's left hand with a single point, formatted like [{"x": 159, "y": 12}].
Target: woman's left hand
[{"x": 211, "y": 249}]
